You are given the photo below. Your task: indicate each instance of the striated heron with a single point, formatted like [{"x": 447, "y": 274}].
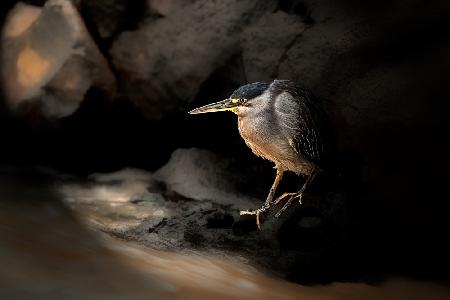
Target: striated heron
[{"x": 281, "y": 122}]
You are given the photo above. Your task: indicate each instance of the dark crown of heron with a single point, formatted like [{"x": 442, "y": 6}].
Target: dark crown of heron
[{"x": 249, "y": 91}]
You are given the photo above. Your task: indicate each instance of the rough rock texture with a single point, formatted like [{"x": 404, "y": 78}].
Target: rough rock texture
[
  {"x": 201, "y": 175},
  {"x": 49, "y": 61},
  {"x": 192, "y": 204},
  {"x": 266, "y": 42},
  {"x": 165, "y": 62}
]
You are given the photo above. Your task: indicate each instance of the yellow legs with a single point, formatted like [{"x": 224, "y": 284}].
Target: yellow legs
[
  {"x": 269, "y": 198},
  {"x": 291, "y": 197},
  {"x": 298, "y": 195}
]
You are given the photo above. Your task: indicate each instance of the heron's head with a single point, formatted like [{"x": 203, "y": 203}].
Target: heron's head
[{"x": 241, "y": 101}]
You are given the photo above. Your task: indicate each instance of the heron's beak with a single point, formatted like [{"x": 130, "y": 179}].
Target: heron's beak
[{"x": 225, "y": 105}]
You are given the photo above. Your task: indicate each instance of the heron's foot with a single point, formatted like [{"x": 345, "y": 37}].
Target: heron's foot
[
  {"x": 256, "y": 212},
  {"x": 291, "y": 197},
  {"x": 295, "y": 195}
]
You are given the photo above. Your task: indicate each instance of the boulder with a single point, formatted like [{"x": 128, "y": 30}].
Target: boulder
[
  {"x": 202, "y": 175},
  {"x": 164, "y": 63},
  {"x": 49, "y": 60},
  {"x": 265, "y": 43}
]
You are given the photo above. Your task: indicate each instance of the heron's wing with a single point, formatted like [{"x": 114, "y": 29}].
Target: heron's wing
[{"x": 300, "y": 119}]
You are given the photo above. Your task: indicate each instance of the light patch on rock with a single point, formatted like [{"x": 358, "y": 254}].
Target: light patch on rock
[
  {"x": 118, "y": 186},
  {"x": 127, "y": 174},
  {"x": 49, "y": 59},
  {"x": 20, "y": 19},
  {"x": 31, "y": 67},
  {"x": 201, "y": 175},
  {"x": 108, "y": 200}
]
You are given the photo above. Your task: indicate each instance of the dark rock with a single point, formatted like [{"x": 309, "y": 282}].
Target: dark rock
[
  {"x": 110, "y": 17},
  {"x": 220, "y": 220},
  {"x": 167, "y": 7},
  {"x": 165, "y": 62},
  {"x": 265, "y": 43},
  {"x": 158, "y": 224},
  {"x": 244, "y": 225}
]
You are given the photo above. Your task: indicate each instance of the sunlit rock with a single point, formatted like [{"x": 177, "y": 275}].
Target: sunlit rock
[
  {"x": 21, "y": 17},
  {"x": 115, "y": 201},
  {"x": 202, "y": 175},
  {"x": 49, "y": 61}
]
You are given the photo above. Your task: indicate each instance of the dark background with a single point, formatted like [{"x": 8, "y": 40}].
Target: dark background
[{"x": 382, "y": 70}]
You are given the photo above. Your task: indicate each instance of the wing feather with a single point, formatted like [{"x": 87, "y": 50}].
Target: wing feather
[{"x": 301, "y": 120}]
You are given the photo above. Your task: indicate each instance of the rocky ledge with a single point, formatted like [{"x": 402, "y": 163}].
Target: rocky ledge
[{"x": 192, "y": 204}]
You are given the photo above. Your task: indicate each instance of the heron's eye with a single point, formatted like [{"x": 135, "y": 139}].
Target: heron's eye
[{"x": 238, "y": 100}]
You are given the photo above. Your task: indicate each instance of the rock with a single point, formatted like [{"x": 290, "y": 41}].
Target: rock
[
  {"x": 196, "y": 208},
  {"x": 165, "y": 62},
  {"x": 265, "y": 42},
  {"x": 110, "y": 17},
  {"x": 167, "y": 7},
  {"x": 115, "y": 201},
  {"x": 164, "y": 221},
  {"x": 107, "y": 16},
  {"x": 123, "y": 175},
  {"x": 201, "y": 175},
  {"x": 49, "y": 60}
]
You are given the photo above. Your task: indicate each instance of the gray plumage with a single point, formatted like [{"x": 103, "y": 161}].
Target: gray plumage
[
  {"x": 281, "y": 122},
  {"x": 285, "y": 124}
]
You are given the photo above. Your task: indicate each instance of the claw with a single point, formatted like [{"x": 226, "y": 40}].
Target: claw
[
  {"x": 256, "y": 212},
  {"x": 289, "y": 202},
  {"x": 257, "y": 221},
  {"x": 300, "y": 197}
]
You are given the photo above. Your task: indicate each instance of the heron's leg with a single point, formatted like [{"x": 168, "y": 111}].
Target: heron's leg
[
  {"x": 273, "y": 189},
  {"x": 293, "y": 196},
  {"x": 288, "y": 203},
  {"x": 284, "y": 196},
  {"x": 269, "y": 198}
]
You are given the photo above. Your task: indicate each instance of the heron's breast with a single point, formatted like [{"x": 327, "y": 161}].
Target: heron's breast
[{"x": 265, "y": 141}]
